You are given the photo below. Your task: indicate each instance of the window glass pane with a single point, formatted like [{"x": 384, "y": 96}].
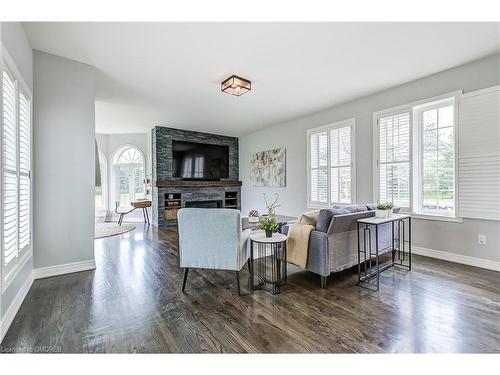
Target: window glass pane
[
  {"x": 430, "y": 119},
  {"x": 430, "y": 180},
  {"x": 334, "y": 185},
  {"x": 345, "y": 185},
  {"x": 131, "y": 176},
  {"x": 139, "y": 182},
  {"x": 437, "y": 178},
  {"x": 100, "y": 191},
  {"x": 446, "y": 116},
  {"x": 124, "y": 186},
  {"x": 340, "y": 157},
  {"x": 429, "y": 139},
  {"x": 98, "y": 197}
]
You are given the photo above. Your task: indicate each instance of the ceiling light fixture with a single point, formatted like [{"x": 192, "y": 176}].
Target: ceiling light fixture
[{"x": 235, "y": 85}]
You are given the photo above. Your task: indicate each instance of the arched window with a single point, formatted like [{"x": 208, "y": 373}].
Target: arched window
[
  {"x": 102, "y": 191},
  {"x": 129, "y": 175}
]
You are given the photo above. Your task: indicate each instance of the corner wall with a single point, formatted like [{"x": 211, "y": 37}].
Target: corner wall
[
  {"x": 64, "y": 156},
  {"x": 455, "y": 238}
]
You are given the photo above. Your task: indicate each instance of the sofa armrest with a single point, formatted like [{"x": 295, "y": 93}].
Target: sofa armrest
[{"x": 317, "y": 260}]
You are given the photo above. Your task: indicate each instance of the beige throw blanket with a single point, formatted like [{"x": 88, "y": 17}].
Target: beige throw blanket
[{"x": 297, "y": 244}]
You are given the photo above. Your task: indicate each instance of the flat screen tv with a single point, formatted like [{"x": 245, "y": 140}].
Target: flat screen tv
[{"x": 199, "y": 161}]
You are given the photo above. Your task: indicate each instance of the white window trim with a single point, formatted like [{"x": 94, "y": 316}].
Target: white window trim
[
  {"x": 417, "y": 145},
  {"x": 409, "y": 108},
  {"x": 25, "y": 254},
  {"x": 339, "y": 124}
]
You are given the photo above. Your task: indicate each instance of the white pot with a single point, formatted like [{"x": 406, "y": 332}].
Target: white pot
[{"x": 382, "y": 214}]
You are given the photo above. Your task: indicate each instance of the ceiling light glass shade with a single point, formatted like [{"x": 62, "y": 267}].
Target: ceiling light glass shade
[{"x": 235, "y": 85}]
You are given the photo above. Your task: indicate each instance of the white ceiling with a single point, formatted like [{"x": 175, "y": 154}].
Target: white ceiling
[{"x": 169, "y": 73}]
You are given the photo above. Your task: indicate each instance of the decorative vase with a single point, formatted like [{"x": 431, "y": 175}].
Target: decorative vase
[
  {"x": 269, "y": 233},
  {"x": 382, "y": 214}
]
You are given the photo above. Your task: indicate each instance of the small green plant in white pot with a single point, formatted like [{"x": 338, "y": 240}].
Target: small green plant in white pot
[
  {"x": 269, "y": 225},
  {"x": 384, "y": 210}
]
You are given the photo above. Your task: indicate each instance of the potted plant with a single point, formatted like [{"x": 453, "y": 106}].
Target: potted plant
[
  {"x": 384, "y": 210},
  {"x": 270, "y": 225}
]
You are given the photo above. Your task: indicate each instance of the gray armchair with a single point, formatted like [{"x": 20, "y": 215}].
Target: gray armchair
[{"x": 212, "y": 239}]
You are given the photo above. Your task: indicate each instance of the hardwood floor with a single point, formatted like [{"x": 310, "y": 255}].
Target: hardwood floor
[{"x": 133, "y": 302}]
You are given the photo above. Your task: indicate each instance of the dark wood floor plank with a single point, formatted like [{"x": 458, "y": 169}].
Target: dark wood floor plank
[{"x": 132, "y": 302}]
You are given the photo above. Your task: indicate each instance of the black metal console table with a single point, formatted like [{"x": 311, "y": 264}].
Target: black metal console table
[
  {"x": 400, "y": 247},
  {"x": 268, "y": 263}
]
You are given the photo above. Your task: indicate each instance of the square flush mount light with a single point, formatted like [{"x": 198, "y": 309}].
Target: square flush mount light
[{"x": 235, "y": 85}]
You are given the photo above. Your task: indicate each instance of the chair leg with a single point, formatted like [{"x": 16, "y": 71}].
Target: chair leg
[
  {"x": 323, "y": 281},
  {"x": 147, "y": 216},
  {"x": 238, "y": 282},
  {"x": 250, "y": 275},
  {"x": 184, "y": 279}
]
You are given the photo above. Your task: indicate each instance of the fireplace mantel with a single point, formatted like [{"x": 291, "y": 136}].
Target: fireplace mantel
[{"x": 197, "y": 183}]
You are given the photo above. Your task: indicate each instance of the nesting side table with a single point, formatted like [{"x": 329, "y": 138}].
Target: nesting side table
[
  {"x": 367, "y": 252},
  {"x": 267, "y": 262}
]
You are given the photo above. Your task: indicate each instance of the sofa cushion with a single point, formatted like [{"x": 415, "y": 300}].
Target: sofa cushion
[
  {"x": 355, "y": 208},
  {"x": 339, "y": 211},
  {"x": 324, "y": 219},
  {"x": 371, "y": 206}
]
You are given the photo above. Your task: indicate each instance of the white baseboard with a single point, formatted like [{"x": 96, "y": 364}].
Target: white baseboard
[
  {"x": 62, "y": 269},
  {"x": 457, "y": 258},
  {"x": 11, "y": 312}
]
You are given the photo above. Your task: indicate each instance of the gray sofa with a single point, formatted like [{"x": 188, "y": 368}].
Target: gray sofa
[{"x": 333, "y": 246}]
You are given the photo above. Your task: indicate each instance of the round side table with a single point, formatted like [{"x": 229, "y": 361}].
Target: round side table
[{"x": 268, "y": 262}]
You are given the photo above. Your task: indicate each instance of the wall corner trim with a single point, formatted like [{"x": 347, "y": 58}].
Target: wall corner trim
[
  {"x": 11, "y": 312},
  {"x": 62, "y": 269},
  {"x": 457, "y": 258}
]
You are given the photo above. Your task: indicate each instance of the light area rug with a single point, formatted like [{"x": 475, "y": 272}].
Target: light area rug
[{"x": 111, "y": 229}]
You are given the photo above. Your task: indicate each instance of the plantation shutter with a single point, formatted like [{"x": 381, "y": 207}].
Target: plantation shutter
[
  {"x": 24, "y": 170},
  {"x": 319, "y": 167},
  {"x": 9, "y": 172},
  {"x": 341, "y": 166},
  {"x": 479, "y": 154},
  {"x": 394, "y": 159}
]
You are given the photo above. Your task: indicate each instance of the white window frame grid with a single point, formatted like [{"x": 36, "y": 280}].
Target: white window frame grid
[
  {"x": 8, "y": 273},
  {"x": 339, "y": 124},
  {"x": 116, "y": 169},
  {"x": 376, "y": 173},
  {"x": 417, "y": 178}
]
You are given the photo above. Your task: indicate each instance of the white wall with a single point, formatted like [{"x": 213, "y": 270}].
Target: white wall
[
  {"x": 14, "y": 40},
  {"x": 64, "y": 151},
  {"x": 459, "y": 238}
]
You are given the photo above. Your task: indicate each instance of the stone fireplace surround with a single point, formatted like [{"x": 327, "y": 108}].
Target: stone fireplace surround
[
  {"x": 224, "y": 193},
  {"x": 215, "y": 203}
]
